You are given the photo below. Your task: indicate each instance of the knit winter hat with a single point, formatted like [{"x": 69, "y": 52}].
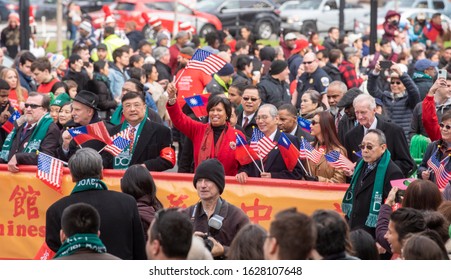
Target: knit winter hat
[
  {"x": 277, "y": 67},
  {"x": 212, "y": 170},
  {"x": 56, "y": 60},
  {"x": 226, "y": 70},
  {"x": 61, "y": 100}
]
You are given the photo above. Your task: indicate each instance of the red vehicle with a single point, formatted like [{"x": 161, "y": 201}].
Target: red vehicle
[{"x": 131, "y": 10}]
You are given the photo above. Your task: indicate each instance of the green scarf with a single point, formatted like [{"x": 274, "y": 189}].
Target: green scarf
[
  {"x": 376, "y": 196},
  {"x": 78, "y": 241},
  {"x": 122, "y": 160},
  {"x": 89, "y": 184},
  {"x": 419, "y": 75},
  {"x": 117, "y": 115},
  {"x": 35, "y": 140}
]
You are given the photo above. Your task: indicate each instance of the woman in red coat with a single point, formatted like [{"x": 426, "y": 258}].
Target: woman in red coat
[{"x": 216, "y": 139}]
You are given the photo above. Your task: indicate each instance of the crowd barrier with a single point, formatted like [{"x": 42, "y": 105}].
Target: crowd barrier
[{"x": 24, "y": 200}]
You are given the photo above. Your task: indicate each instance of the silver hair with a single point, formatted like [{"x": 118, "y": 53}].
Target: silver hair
[
  {"x": 367, "y": 99},
  {"x": 181, "y": 34},
  {"x": 85, "y": 163},
  {"x": 159, "y": 52},
  {"x": 380, "y": 135},
  {"x": 339, "y": 84},
  {"x": 273, "y": 112}
]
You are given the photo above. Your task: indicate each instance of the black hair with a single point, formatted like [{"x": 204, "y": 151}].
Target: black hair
[
  {"x": 131, "y": 95},
  {"x": 215, "y": 100},
  {"x": 80, "y": 218},
  {"x": 58, "y": 85}
]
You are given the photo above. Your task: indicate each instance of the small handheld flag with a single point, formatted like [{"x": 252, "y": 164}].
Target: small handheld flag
[
  {"x": 95, "y": 131},
  {"x": 120, "y": 141},
  {"x": 243, "y": 154},
  {"x": 288, "y": 151},
  {"x": 8, "y": 126},
  {"x": 198, "y": 103},
  {"x": 261, "y": 144},
  {"x": 50, "y": 171},
  {"x": 305, "y": 124},
  {"x": 339, "y": 161},
  {"x": 307, "y": 151}
]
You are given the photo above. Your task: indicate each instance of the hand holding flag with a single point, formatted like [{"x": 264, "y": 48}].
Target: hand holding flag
[{"x": 8, "y": 126}]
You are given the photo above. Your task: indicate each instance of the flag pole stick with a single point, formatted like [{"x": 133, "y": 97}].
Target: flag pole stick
[
  {"x": 303, "y": 168},
  {"x": 263, "y": 167},
  {"x": 181, "y": 74},
  {"x": 249, "y": 154}
]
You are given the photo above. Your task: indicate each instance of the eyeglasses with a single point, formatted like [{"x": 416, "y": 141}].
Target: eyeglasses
[
  {"x": 263, "y": 118},
  {"x": 32, "y": 106},
  {"x": 442, "y": 125},
  {"x": 253, "y": 99},
  {"x": 308, "y": 62},
  {"x": 395, "y": 82},
  {"x": 313, "y": 122},
  {"x": 362, "y": 147}
]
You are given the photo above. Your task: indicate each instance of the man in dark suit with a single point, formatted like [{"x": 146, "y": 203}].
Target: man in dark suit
[
  {"x": 150, "y": 143},
  {"x": 273, "y": 164},
  {"x": 365, "y": 111},
  {"x": 38, "y": 133},
  {"x": 121, "y": 230},
  {"x": 250, "y": 102},
  {"x": 288, "y": 122},
  {"x": 370, "y": 183},
  {"x": 84, "y": 112}
]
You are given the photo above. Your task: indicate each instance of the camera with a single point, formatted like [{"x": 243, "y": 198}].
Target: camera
[
  {"x": 386, "y": 64},
  {"x": 208, "y": 243},
  {"x": 214, "y": 224},
  {"x": 399, "y": 196}
]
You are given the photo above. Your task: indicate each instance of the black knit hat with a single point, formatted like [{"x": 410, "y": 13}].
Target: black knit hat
[
  {"x": 277, "y": 67},
  {"x": 212, "y": 170}
]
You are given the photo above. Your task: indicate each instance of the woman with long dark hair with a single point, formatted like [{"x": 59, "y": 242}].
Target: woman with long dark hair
[
  {"x": 326, "y": 140},
  {"x": 138, "y": 183}
]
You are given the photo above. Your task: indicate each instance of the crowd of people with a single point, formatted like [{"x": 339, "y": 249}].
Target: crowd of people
[{"x": 388, "y": 112}]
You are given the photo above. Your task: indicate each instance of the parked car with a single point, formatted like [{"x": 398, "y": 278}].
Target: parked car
[
  {"x": 308, "y": 16},
  {"x": 87, "y": 6},
  {"x": 131, "y": 10},
  {"x": 441, "y": 6},
  {"x": 6, "y": 7},
  {"x": 260, "y": 15}
]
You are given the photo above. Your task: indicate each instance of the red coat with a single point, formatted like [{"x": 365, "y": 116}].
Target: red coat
[
  {"x": 173, "y": 52},
  {"x": 195, "y": 131},
  {"x": 192, "y": 82}
]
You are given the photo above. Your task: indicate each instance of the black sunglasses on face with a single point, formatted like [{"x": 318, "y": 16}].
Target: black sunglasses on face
[
  {"x": 32, "y": 106},
  {"x": 397, "y": 82},
  {"x": 253, "y": 99},
  {"x": 362, "y": 147},
  {"x": 442, "y": 125}
]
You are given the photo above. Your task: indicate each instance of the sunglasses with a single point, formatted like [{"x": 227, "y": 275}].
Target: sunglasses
[
  {"x": 397, "y": 82},
  {"x": 253, "y": 99},
  {"x": 313, "y": 122},
  {"x": 307, "y": 62},
  {"x": 362, "y": 147},
  {"x": 442, "y": 125},
  {"x": 32, "y": 106}
]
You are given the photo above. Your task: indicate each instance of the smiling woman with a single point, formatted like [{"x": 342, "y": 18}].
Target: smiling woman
[{"x": 216, "y": 139}]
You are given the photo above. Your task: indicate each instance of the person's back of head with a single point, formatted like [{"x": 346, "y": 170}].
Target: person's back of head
[
  {"x": 435, "y": 221},
  {"x": 138, "y": 182},
  {"x": 422, "y": 195},
  {"x": 85, "y": 163},
  {"x": 170, "y": 235},
  {"x": 332, "y": 233},
  {"x": 248, "y": 243},
  {"x": 363, "y": 245},
  {"x": 292, "y": 236},
  {"x": 421, "y": 247},
  {"x": 80, "y": 218}
]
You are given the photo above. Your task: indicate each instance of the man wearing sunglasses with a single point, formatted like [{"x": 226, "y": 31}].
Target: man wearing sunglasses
[
  {"x": 370, "y": 182},
  {"x": 365, "y": 111},
  {"x": 402, "y": 97},
  {"x": 38, "y": 133},
  {"x": 250, "y": 102}
]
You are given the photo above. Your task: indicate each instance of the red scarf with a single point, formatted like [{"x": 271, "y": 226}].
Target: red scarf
[{"x": 208, "y": 149}]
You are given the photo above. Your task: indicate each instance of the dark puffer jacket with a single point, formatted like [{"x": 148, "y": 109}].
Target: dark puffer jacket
[{"x": 273, "y": 91}]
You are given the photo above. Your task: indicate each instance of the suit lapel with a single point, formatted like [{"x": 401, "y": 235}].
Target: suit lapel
[{"x": 143, "y": 140}]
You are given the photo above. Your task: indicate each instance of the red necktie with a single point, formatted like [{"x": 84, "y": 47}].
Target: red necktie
[
  {"x": 131, "y": 135},
  {"x": 246, "y": 121},
  {"x": 24, "y": 131}
]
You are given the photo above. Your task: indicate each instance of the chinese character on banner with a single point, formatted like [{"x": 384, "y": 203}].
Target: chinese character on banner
[
  {"x": 177, "y": 201},
  {"x": 25, "y": 202},
  {"x": 256, "y": 208}
]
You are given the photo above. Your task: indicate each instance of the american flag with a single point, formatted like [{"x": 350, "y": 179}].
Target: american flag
[
  {"x": 120, "y": 141},
  {"x": 339, "y": 161},
  {"x": 307, "y": 151},
  {"x": 50, "y": 170},
  {"x": 442, "y": 176},
  {"x": 433, "y": 163},
  {"x": 206, "y": 62},
  {"x": 261, "y": 144}
]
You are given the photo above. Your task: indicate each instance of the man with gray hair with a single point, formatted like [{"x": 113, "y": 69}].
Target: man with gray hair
[
  {"x": 370, "y": 183},
  {"x": 181, "y": 38},
  {"x": 365, "y": 111},
  {"x": 162, "y": 58},
  {"x": 273, "y": 164},
  {"x": 121, "y": 229}
]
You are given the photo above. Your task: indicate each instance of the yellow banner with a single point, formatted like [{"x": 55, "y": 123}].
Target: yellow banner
[{"x": 24, "y": 200}]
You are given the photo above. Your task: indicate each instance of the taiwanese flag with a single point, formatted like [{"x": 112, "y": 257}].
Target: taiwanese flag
[
  {"x": 304, "y": 124},
  {"x": 198, "y": 103},
  {"x": 8, "y": 126},
  {"x": 288, "y": 151},
  {"x": 95, "y": 131},
  {"x": 243, "y": 153}
]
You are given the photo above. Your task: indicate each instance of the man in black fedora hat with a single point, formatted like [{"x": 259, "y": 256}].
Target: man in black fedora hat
[{"x": 84, "y": 112}]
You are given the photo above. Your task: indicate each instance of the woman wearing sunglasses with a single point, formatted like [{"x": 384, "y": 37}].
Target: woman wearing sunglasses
[
  {"x": 436, "y": 164},
  {"x": 402, "y": 97},
  {"x": 326, "y": 139}
]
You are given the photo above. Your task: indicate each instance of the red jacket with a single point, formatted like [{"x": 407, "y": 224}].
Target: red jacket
[
  {"x": 195, "y": 131},
  {"x": 347, "y": 70},
  {"x": 430, "y": 119},
  {"x": 173, "y": 52},
  {"x": 47, "y": 87}
]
